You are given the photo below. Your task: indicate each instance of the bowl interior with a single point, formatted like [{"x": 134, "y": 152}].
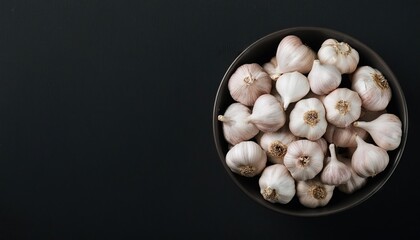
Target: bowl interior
[{"x": 261, "y": 52}]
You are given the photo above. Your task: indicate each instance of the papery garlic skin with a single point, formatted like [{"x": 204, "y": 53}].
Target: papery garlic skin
[
  {"x": 248, "y": 82},
  {"x": 276, "y": 184},
  {"x": 275, "y": 144},
  {"x": 271, "y": 68},
  {"x": 334, "y": 171},
  {"x": 307, "y": 119},
  {"x": 368, "y": 160},
  {"x": 292, "y": 55},
  {"x": 292, "y": 87},
  {"x": 385, "y": 130},
  {"x": 304, "y": 159},
  {"x": 344, "y": 137},
  {"x": 343, "y": 106},
  {"x": 372, "y": 87},
  {"x": 355, "y": 182},
  {"x": 236, "y": 126},
  {"x": 267, "y": 114},
  {"x": 246, "y": 158},
  {"x": 324, "y": 78},
  {"x": 339, "y": 54},
  {"x": 313, "y": 193}
]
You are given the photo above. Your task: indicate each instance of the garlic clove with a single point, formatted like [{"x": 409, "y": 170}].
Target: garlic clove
[
  {"x": 307, "y": 119},
  {"x": 354, "y": 183},
  {"x": 385, "y": 130},
  {"x": 339, "y": 54},
  {"x": 343, "y": 106},
  {"x": 368, "y": 160},
  {"x": 276, "y": 184},
  {"x": 323, "y": 78},
  {"x": 372, "y": 87},
  {"x": 275, "y": 143},
  {"x": 248, "y": 82},
  {"x": 313, "y": 193},
  {"x": 267, "y": 114},
  {"x": 292, "y": 55},
  {"x": 271, "y": 68},
  {"x": 334, "y": 171},
  {"x": 344, "y": 137},
  {"x": 304, "y": 159},
  {"x": 246, "y": 158},
  {"x": 292, "y": 87},
  {"x": 236, "y": 127}
]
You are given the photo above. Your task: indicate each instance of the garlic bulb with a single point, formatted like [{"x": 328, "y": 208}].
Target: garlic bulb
[
  {"x": 323, "y": 78},
  {"x": 267, "y": 114},
  {"x": 342, "y": 106},
  {"x": 304, "y": 159},
  {"x": 386, "y": 130},
  {"x": 339, "y": 54},
  {"x": 344, "y": 137},
  {"x": 307, "y": 119},
  {"x": 292, "y": 87},
  {"x": 355, "y": 182},
  {"x": 271, "y": 68},
  {"x": 236, "y": 127},
  {"x": 313, "y": 193},
  {"x": 334, "y": 171},
  {"x": 368, "y": 160},
  {"x": 292, "y": 55},
  {"x": 246, "y": 158},
  {"x": 372, "y": 87},
  {"x": 275, "y": 143},
  {"x": 276, "y": 184},
  {"x": 248, "y": 82}
]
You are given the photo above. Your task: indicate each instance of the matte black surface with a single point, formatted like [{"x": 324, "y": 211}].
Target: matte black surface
[{"x": 106, "y": 118}]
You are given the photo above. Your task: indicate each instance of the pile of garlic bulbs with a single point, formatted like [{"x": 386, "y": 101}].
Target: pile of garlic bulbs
[{"x": 296, "y": 127}]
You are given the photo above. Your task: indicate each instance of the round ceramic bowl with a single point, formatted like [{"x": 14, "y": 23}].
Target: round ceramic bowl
[{"x": 261, "y": 52}]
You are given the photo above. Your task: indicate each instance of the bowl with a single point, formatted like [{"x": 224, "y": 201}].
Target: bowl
[{"x": 261, "y": 51}]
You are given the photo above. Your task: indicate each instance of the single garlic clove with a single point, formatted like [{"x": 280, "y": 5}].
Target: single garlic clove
[
  {"x": 339, "y": 54},
  {"x": 323, "y": 78},
  {"x": 369, "y": 160},
  {"x": 344, "y": 137},
  {"x": 248, "y": 82},
  {"x": 313, "y": 193},
  {"x": 385, "y": 130},
  {"x": 236, "y": 127},
  {"x": 307, "y": 119},
  {"x": 372, "y": 87},
  {"x": 343, "y": 106},
  {"x": 246, "y": 158},
  {"x": 292, "y": 87},
  {"x": 267, "y": 114},
  {"x": 275, "y": 143},
  {"x": 276, "y": 184},
  {"x": 304, "y": 159},
  {"x": 334, "y": 171},
  {"x": 292, "y": 55},
  {"x": 355, "y": 182},
  {"x": 271, "y": 68}
]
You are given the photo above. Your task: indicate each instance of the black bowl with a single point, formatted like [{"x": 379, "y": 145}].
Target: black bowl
[{"x": 261, "y": 52}]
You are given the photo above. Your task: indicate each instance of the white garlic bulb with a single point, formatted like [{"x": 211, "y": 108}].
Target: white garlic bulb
[
  {"x": 334, "y": 171},
  {"x": 339, "y": 54},
  {"x": 236, "y": 126},
  {"x": 307, "y": 119},
  {"x": 343, "y": 106},
  {"x": 304, "y": 159},
  {"x": 344, "y": 137},
  {"x": 271, "y": 68},
  {"x": 276, "y": 184},
  {"x": 355, "y": 182},
  {"x": 292, "y": 87},
  {"x": 248, "y": 82},
  {"x": 368, "y": 160},
  {"x": 313, "y": 193},
  {"x": 267, "y": 113},
  {"x": 372, "y": 87},
  {"x": 292, "y": 55},
  {"x": 324, "y": 78},
  {"x": 246, "y": 158},
  {"x": 275, "y": 143},
  {"x": 385, "y": 130}
]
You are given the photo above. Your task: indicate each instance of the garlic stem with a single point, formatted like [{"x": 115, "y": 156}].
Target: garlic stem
[
  {"x": 223, "y": 118},
  {"x": 332, "y": 151}
]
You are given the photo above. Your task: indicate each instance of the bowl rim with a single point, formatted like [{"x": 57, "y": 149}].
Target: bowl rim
[{"x": 323, "y": 212}]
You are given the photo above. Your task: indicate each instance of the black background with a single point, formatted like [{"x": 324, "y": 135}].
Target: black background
[{"x": 106, "y": 118}]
